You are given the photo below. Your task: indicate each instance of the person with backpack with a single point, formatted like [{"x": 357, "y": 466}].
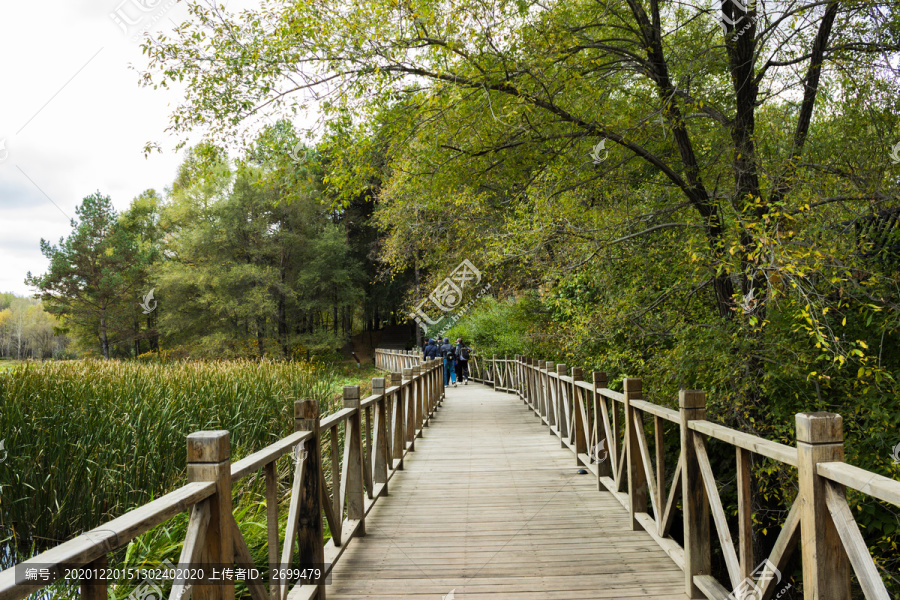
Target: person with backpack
[
  {"x": 429, "y": 350},
  {"x": 448, "y": 353},
  {"x": 462, "y": 361}
]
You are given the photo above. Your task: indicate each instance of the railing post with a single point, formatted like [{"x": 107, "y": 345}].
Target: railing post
[
  {"x": 310, "y": 530},
  {"x": 426, "y": 389},
  {"x": 514, "y": 374},
  {"x": 398, "y": 422},
  {"x": 434, "y": 386},
  {"x": 578, "y": 417},
  {"x": 826, "y": 568},
  {"x": 507, "y": 374},
  {"x": 95, "y": 588},
  {"x": 547, "y": 391},
  {"x": 543, "y": 385},
  {"x": 637, "y": 479},
  {"x": 382, "y": 441},
  {"x": 562, "y": 403},
  {"x": 209, "y": 459},
  {"x": 519, "y": 379},
  {"x": 442, "y": 375},
  {"x": 554, "y": 393},
  {"x": 604, "y": 467},
  {"x": 437, "y": 384},
  {"x": 695, "y": 504},
  {"x": 409, "y": 408},
  {"x": 523, "y": 378},
  {"x": 494, "y": 371},
  {"x": 542, "y": 390},
  {"x": 517, "y": 366},
  {"x": 356, "y": 507},
  {"x": 421, "y": 414}
]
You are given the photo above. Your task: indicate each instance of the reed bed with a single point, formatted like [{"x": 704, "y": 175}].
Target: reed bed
[{"x": 88, "y": 440}]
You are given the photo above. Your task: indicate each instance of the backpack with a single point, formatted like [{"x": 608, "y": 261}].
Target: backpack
[
  {"x": 464, "y": 353},
  {"x": 450, "y": 354}
]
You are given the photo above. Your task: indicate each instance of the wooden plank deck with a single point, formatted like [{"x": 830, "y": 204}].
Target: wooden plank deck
[{"x": 490, "y": 506}]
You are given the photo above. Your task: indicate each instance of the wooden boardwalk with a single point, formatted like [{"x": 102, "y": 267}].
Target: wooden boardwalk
[{"x": 490, "y": 506}]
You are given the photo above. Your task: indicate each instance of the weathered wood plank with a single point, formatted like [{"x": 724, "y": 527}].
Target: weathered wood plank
[
  {"x": 715, "y": 503},
  {"x": 854, "y": 544},
  {"x": 770, "y": 449},
  {"x": 866, "y": 482}
]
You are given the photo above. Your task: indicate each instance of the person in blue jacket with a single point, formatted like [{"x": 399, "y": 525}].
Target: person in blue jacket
[
  {"x": 448, "y": 353},
  {"x": 430, "y": 350}
]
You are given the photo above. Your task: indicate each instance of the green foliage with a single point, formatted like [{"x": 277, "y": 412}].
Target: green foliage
[
  {"x": 244, "y": 266},
  {"x": 94, "y": 271},
  {"x": 496, "y": 327},
  {"x": 28, "y": 331}
]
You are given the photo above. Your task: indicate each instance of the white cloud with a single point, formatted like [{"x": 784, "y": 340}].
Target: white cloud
[{"x": 75, "y": 120}]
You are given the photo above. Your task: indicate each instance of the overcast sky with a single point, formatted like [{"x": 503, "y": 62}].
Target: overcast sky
[{"x": 73, "y": 119}]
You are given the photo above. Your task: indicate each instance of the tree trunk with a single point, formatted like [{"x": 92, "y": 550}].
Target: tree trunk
[
  {"x": 154, "y": 335},
  {"x": 260, "y": 330},
  {"x": 104, "y": 341},
  {"x": 418, "y": 294},
  {"x": 282, "y": 311}
]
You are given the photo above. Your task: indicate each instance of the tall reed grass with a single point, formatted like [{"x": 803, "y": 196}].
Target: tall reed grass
[{"x": 88, "y": 440}]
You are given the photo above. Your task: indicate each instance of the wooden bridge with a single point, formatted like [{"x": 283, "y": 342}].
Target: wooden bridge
[{"x": 463, "y": 494}]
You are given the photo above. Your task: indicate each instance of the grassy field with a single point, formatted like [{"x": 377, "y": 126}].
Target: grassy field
[{"x": 88, "y": 440}]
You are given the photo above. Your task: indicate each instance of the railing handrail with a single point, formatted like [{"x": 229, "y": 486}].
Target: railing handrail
[
  {"x": 378, "y": 443},
  {"x": 577, "y": 412}
]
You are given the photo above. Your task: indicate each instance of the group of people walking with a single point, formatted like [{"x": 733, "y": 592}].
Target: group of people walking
[{"x": 456, "y": 359}]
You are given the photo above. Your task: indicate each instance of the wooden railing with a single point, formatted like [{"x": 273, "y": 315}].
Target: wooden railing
[
  {"x": 397, "y": 360},
  {"x": 376, "y": 434},
  {"x": 620, "y": 438}
]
